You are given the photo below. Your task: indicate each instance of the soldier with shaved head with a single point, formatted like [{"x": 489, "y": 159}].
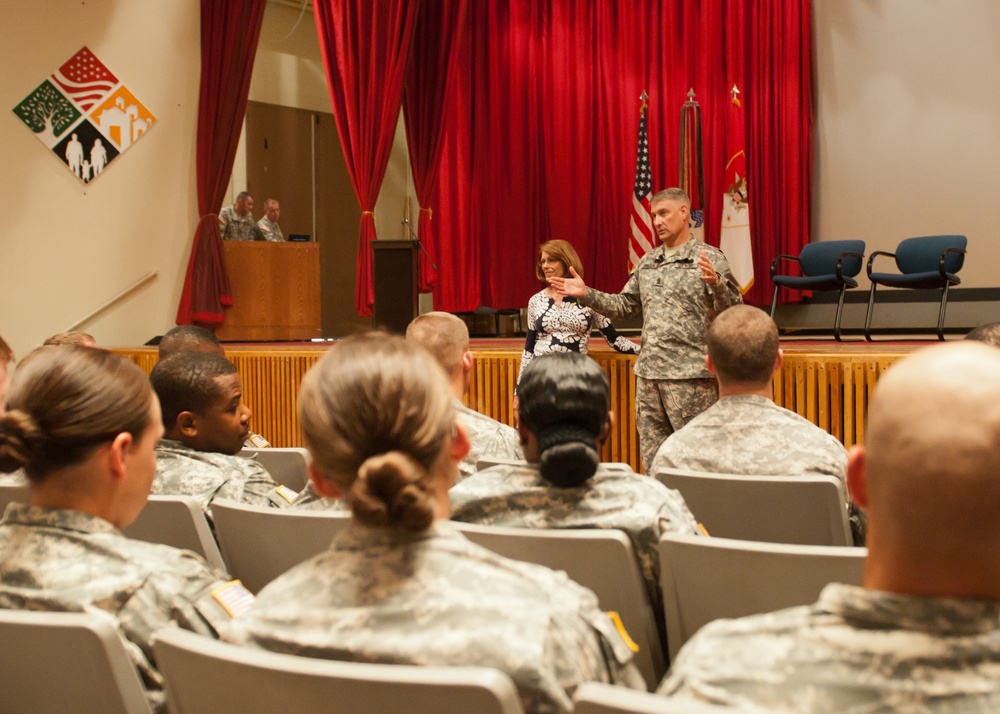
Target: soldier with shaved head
[{"x": 922, "y": 634}]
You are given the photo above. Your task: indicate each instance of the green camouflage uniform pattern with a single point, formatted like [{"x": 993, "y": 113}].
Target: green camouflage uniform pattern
[
  {"x": 677, "y": 307},
  {"x": 233, "y": 226},
  {"x": 63, "y": 560},
  {"x": 310, "y": 500},
  {"x": 662, "y": 406},
  {"x": 434, "y": 598},
  {"x": 488, "y": 438},
  {"x": 519, "y": 497},
  {"x": 205, "y": 475},
  {"x": 855, "y": 651},
  {"x": 270, "y": 230},
  {"x": 749, "y": 434}
]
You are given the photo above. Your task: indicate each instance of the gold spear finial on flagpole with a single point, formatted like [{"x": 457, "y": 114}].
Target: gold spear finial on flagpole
[
  {"x": 735, "y": 92},
  {"x": 644, "y": 98},
  {"x": 691, "y": 94}
]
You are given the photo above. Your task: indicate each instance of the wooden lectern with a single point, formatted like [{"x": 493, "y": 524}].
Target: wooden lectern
[
  {"x": 275, "y": 291},
  {"x": 395, "y": 274}
]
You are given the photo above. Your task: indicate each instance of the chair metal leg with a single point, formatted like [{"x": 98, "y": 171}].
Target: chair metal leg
[
  {"x": 840, "y": 313},
  {"x": 774, "y": 301},
  {"x": 944, "y": 306},
  {"x": 868, "y": 317}
]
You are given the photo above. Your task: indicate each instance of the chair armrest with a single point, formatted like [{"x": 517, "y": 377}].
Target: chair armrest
[
  {"x": 774, "y": 263},
  {"x": 944, "y": 255},
  {"x": 871, "y": 259},
  {"x": 840, "y": 263}
]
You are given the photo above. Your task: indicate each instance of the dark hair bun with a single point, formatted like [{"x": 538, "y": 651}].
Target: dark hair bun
[
  {"x": 20, "y": 437},
  {"x": 389, "y": 492},
  {"x": 568, "y": 455}
]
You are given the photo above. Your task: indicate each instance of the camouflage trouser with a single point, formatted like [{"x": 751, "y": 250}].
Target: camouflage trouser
[{"x": 662, "y": 406}]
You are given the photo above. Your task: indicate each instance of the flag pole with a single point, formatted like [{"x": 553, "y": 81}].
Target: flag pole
[{"x": 691, "y": 174}]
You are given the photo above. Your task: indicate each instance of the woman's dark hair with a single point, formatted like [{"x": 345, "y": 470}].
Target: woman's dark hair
[
  {"x": 64, "y": 402},
  {"x": 376, "y": 412},
  {"x": 564, "y": 400}
]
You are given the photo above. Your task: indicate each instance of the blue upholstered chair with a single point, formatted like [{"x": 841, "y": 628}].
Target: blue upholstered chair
[
  {"x": 827, "y": 265},
  {"x": 925, "y": 262}
]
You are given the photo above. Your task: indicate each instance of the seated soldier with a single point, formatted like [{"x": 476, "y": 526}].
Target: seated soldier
[
  {"x": 401, "y": 585},
  {"x": 447, "y": 339},
  {"x": 745, "y": 432},
  {"x": 83, "y": 424},
  {"x": 192, "y": 337},
  {"x": 563, "y": 415},
  {"x": 922, "y": 633},
  {"x": 206, "y": 423},
  {"x": 72, "y": 337}
]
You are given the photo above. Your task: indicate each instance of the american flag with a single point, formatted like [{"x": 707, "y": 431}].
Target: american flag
[
  {"x": 84, "y": 79},
  {"x": 642, "y": 239}
]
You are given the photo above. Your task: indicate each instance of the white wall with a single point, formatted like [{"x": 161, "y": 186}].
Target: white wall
[
  {"x": 69, "y": 247},
  {"x": 908, "y": 124}
]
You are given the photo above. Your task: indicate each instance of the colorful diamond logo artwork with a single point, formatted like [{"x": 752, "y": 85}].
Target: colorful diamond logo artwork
[{"x": 85, "y": 115}]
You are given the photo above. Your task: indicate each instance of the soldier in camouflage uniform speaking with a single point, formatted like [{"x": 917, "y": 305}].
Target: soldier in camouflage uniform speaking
[
  {"x": 401, "y": 584},
  {"x": 923, "y": 632},
  {"x": 678, "y": 288},
  {"x": 83, "y": 424}
]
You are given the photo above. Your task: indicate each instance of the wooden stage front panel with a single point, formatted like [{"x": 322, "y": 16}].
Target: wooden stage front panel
[{"x": 828, "y": 384}]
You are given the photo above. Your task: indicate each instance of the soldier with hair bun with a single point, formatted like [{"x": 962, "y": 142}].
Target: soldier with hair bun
[
  {"x": 83, "y": 423},
  {"x": 401, "y": 585},
  {"x": 563, "y": 417}
]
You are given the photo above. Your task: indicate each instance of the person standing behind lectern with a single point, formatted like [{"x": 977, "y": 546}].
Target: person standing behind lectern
[{"x": 678, "y": 288}]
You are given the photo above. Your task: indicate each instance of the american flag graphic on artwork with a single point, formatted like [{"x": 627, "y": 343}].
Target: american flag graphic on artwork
[
  {"x": 84, "y": 115},
  {"x": 642, "y": 239},
  {"x": 84, "y": 79}
]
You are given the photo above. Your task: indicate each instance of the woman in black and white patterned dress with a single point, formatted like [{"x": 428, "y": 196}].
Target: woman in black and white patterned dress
[{"x": 558, "y": 323}]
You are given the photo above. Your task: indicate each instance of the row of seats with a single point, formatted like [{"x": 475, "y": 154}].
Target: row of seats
[
  {"x": 922, "y": 263},
  {"x": 54, "y": 662}
]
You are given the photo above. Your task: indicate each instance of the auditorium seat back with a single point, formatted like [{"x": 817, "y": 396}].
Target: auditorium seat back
[
  {"x": 57, "y": 662},
  {"x": 250, "y": 680},
  {"x": 704, "y": 579},
  {"x": 287, "y": 465},
  {"x": 602, "y": 560},
  {"x": 810, "y": 510},
  {"x": 258, "y": 543},
  {"x": 177, "y": 521}
]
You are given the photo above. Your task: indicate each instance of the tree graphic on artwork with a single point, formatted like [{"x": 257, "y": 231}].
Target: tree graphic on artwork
[{"x": 47, "y": 112}]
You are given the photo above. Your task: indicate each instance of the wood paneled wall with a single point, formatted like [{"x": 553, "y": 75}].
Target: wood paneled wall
[{"x": 829, "y": 389}]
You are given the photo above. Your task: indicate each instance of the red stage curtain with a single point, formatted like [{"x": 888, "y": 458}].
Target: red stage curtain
[
  {"x": 229, "y": 33},
  {"x": 365, "y": 45},
  {"x": 430, "y": 81},
  {"x": 541, "y": 144}
]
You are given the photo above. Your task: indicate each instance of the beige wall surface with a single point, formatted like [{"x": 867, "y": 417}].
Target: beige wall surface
[
  {"x": 68, "y": 247},
  {"x": 908, "y": 125}
]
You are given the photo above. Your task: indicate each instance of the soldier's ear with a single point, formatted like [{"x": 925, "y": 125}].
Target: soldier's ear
[
  {"x": 857, "y": 476},
  {"x": 324, "y": 486},
  {"x": 187, "y": 424},
  {"x": 606, "y": 429}
]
